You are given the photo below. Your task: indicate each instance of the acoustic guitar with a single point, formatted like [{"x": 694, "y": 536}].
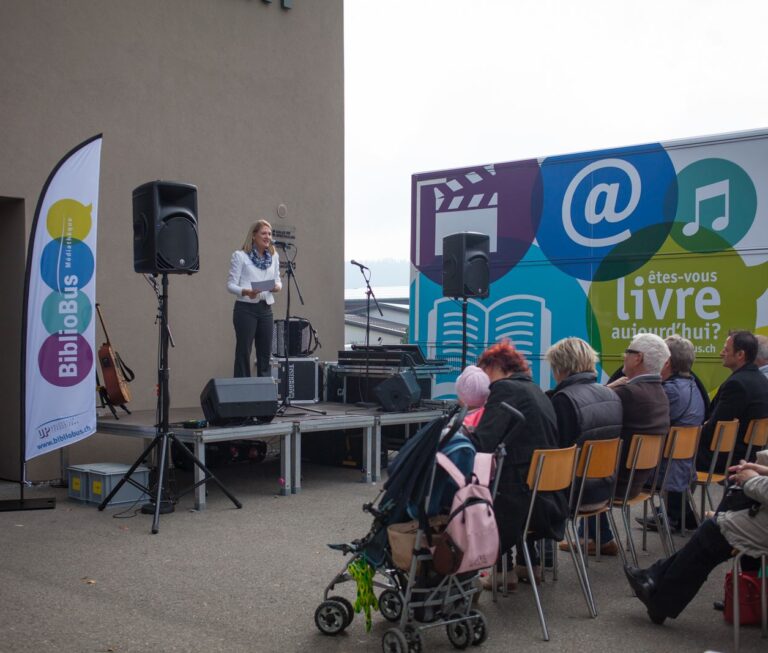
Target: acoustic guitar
[{"x": 116, "y": 374}]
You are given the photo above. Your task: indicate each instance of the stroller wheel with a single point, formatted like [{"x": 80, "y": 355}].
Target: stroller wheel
[
  {"x": 413, "y": 637},
  {"x": 391, "y": 605},
  {"x": 394, "y": 641},
  {"x": 331, "y": 617},
  {"x": 479, "y": 627},
  {"x": 347, "y": 606},
  {"x": 459, "y": 633}
]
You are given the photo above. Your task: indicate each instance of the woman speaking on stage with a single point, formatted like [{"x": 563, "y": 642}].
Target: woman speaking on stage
[{"x": 255, "y": 263}]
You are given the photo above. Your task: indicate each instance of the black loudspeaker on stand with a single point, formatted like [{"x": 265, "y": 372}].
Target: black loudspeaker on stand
[
  {"x": 165, "y": 228},
  {"x": 160, "y": 498},
  {"x": 466, "y": 273}
]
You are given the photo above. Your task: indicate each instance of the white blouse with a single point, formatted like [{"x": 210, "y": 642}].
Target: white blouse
[{"x": 242, "y": 272}]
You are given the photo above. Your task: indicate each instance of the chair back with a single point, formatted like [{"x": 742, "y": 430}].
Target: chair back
[
  {"x": 682, "y": 442},
  {"x": 553, "y": 468},
  {"x": 598, "y": 458},
  {"x": 757, "y": 433},
  {"x": 644, "y": 451},
  {"x": 724, "y": 436}
]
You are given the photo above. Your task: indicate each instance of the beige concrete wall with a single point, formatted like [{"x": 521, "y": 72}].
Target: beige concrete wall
[{"x": 240, "y": 97}]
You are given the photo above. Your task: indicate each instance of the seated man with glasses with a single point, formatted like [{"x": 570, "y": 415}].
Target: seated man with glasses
[{"x": 645, "y": 410}]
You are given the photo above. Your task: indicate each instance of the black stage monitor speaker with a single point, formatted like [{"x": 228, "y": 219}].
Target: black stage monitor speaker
[
  {"x": 165, "y": 228},
  {"x": 398, "y": 393},
  {"x": 465, "y": 265},
  {"x": 228, "y": 401}
]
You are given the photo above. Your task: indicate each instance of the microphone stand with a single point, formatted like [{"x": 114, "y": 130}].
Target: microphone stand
[
  {"x": 286, "y": 402},
  {"x": 368, "y": 295}
]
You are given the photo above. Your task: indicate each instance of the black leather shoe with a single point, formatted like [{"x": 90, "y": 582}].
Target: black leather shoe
[
  {"x": 648, "y": 522},
  {"x": 719, "y": 606},
  {"x": 640, "y": 582},
  {"x": 644, "y": 586}
]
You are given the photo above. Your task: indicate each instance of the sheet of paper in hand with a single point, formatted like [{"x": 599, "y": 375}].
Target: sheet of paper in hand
[{"x": 263, "y": 286}]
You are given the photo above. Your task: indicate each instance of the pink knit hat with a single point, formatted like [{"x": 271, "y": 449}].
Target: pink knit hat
[{"x": 472, "y": 387}]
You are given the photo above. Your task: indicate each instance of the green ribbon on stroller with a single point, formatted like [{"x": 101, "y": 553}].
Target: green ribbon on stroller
[{"x": 363, "y": 572}]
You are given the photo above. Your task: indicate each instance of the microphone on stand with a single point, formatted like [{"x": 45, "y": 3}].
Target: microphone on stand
[
  {"x": 360, "y": 265},
  {"x": 281, "y": 243}
]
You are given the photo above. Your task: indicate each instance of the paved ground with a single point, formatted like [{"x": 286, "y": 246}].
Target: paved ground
[{"x": 77, "y": 580}]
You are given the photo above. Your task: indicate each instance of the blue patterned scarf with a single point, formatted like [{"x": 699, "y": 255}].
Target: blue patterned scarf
[{"x": 261, "y": 262}]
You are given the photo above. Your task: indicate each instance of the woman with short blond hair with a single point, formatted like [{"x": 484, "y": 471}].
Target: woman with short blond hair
[{"x": 585, "y": 410}]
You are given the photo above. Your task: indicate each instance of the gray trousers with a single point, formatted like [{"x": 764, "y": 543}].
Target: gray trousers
[{"x": 253, "y": 324}]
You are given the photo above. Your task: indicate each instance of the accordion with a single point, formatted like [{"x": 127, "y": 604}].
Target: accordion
[{"x": 294, "y": 337}]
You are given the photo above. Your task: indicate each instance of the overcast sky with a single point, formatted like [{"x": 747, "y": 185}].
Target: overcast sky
[{"x": 434, "y": 84}]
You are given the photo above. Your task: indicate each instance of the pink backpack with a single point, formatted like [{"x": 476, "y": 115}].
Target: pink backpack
[{"x": 471, "y": 538}]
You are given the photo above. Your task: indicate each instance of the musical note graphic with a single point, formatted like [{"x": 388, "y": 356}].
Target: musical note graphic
[{"x": 708, "y": 192}]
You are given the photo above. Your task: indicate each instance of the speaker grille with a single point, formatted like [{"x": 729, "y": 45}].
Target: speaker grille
[{"x": 177, "y": 245}]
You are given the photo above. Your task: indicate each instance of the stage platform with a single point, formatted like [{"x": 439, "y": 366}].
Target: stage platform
[{"x": 287, "y": 429}]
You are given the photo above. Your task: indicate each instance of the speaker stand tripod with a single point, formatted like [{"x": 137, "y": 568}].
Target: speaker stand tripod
[
  {"x": 286, "y": 403},
  {"x": 161, "y": 501},
  {"x": 463, "y": 333}
]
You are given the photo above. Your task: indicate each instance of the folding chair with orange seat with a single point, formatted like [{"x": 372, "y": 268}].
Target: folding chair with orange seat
[
  {"x": 723, "y": 441},
  {"x": 756, "y": 435},
  {"x": 682, "y": 444},
  {"x": 644, "y": 454},
  {"x": 551, "y": 470},
  {"x": 598, "y": 460}
]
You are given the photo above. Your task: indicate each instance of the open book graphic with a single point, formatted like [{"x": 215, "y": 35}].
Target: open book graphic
[{"x": 523, "y": 319}]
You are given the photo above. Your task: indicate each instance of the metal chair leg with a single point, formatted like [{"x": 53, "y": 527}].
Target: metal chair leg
[
  {"x": 683, "y": 510},
  {"x": 736, "y": 616},
  {"x": 694, "y": 507},
  {"x": 535, "y": 589},
  {"x": 631, "y": 542},
  {"x": 581, "y": 571},
  {"x": 665, "y": 530},
  {"x": 612, "y": 522},
  {"x": 764, "y": 596},
  {"x": 645, "y": 526},
  {"x": 709, "y": 498}
]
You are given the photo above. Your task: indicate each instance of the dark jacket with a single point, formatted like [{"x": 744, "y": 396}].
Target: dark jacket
[
  {"x": 539, "y": 431},
  {"x": 586, "y": 410},
  {"x": 743, "y": 395},
  {"x": 646, "y": 412}
]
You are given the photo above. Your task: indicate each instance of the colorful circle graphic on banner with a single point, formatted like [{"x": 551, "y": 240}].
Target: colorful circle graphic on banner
[
  {"x": 66, "y": 263},
  {"x": 502, "y": 201},
  {"x": 65, "y": 360},
  {"x": 65, "y": 313},
  {"x": 69, "y": 218},
  {"x": 594, "y": 205},
  {"x": 717, "y": 203},
  {"x": 699, "y": 298}
]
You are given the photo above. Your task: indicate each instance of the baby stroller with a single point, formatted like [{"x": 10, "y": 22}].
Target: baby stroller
[{"x": 415, "y": 594}]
